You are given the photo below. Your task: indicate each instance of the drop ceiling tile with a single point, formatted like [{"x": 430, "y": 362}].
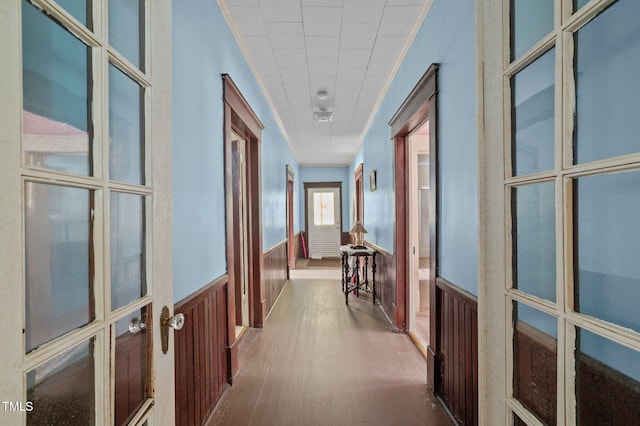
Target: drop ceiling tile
[
  {"x": 388, "y": 46},
  {"x": 368, "y": 97},
  {"x": 242, "y": 2},
  {"x": 266, "y": 65},
  {"x": 350, "y": 77},
  {"x": 294, "y": 76},
  {"x": 291, "y": 58},
  {"x": 299, "y": 102},
  {"x": 354, "y": 58},
  {"x": 358, "y": 36},
  {"x": 363, "y": 11},
  {"x": 249, "y": 20},
  {"x": 323, "y": 82},
  {"x": 322, "y": 21},
  {"x": 405, "y": 2},
  {"x": 397, "y": 20},
  {"x": 349, "y": 90},
  {"x": 380, "y": 66},
  {"x": 319, "y": 67},
  {"x": 297, "y": 89},
  {"x": 345, "y": 102},
  {"x": 274, "y": 83},
  {"x": 323, "y": 47},
  {"x": 322, "y": 2},
  {"x": 374, "y": 82},
  {"x": 258, "y": 46},
  {"x": 281, "y": 10},
  {"x": 286, "y": 34}
]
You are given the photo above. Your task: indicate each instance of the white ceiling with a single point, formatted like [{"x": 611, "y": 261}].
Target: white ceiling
[{"x": 348, "y": 48}]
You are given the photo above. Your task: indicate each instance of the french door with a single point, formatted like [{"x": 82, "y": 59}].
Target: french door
[
  {"x": 562, "y": 208},
  {"x": 86, "y": 201}
]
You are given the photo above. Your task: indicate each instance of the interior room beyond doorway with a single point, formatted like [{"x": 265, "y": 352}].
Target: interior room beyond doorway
[{"x": 419, "y": 234}]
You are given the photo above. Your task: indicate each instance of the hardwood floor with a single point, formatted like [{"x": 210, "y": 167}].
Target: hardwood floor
[{"x": 320, "y": 362}]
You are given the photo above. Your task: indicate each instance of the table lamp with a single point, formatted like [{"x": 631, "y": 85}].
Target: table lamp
[{"x": 357, "y": 231}]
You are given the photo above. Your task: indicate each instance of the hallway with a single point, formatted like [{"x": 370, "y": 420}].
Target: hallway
[{"x": 320, "y": 362}]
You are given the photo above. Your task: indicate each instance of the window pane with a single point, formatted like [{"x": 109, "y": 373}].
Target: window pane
[
  {"x": 530, "y": 22},
  {"x": 534, "y": 240},
  {"x": 62, "y": 390},
  {"x": 126, "y": 29},
  {"x": 533, "y": 116},
  {"x": 128, "y": 280},
  {"x": 323, "y": 208},
  {"x": 125, "y": 128},
  {"x": 132, "y": 349},
  {"x": 577, "y": 4},
  {"x": 607, "y": 60},
  {"x": 535, "y": 362},
  {"x": 56, "y": 95},
  {"x": 79, "y": 9},
  {"x": 607, "y": 381},
  {"x": 607, "y": 270},
  {"x": 58, "y": 237}
]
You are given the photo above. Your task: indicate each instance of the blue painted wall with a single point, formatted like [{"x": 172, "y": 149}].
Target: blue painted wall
[
  {"x": 327, "y": 174},
  {"x": 447, "y": 37},
  {"x": 204, "y": 48}
]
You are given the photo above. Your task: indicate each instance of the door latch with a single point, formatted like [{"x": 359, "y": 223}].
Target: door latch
[{"x": 176, "y": 322}]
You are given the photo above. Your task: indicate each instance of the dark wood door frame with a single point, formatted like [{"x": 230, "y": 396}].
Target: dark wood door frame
[
  {"x": 291, "y": 254},
  {"x": 421, "y": 105},
  {"x": 239, "y": 117}
]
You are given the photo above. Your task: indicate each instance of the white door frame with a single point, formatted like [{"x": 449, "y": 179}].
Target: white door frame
[{"x": 324, "y": 186}]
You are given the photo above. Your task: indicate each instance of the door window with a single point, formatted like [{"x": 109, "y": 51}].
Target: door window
[{"x": 324, "y": 208}]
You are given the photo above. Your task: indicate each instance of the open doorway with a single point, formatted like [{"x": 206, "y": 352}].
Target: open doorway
[
  {"x": 245, "y": 295},
  {"x": 418, "y": 116},
  {"x": 418, "y": 192},
  {"x": 291, "y": 252},
  {"x": 239, "y": 173}
]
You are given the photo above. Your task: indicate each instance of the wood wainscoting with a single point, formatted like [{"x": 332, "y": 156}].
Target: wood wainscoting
[
  {"x": 274, "y": 273},
  {"x": 202, "y": 353},
  {"x": 605, "y": 395},
  {"x": 456, "y": 352},
  {"x": 385, "y": 281}
]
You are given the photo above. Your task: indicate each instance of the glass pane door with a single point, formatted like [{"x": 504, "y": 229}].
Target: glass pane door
[{"x": 82, "y": 298}]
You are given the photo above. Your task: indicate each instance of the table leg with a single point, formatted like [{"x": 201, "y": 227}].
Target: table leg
[
  {"x": 357, "y": 276},
  {"x": 373, "y": 276}
]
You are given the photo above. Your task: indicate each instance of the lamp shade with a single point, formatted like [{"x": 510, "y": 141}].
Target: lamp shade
[{"x": 358, "y": 228}]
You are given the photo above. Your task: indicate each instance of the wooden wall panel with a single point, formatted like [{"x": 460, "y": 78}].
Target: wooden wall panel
[
  {"x": 457, "y": 352},
  {"x": 535, "y": 365},
  {"x": 606, "y": 396},
  {"x": 274, "y": 273},
  {"x": 385, "y": 280},
  {"x": 201, "y": 352}
]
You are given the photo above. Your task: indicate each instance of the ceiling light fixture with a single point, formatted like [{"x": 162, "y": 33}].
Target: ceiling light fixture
[
  {"x": 322, "y": 95},
  {"x": 323, "y": 116}
]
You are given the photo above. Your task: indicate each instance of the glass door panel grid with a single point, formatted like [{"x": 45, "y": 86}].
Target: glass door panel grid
[
  {"x": 90, "y": 27},
  {"x": 569, "y": 17}
]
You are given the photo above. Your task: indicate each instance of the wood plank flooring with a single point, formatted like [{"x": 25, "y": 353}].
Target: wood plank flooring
[{"x": 320, "y": 362}]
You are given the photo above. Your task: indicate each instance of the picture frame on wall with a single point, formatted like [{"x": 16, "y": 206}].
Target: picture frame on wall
[{"x": 372, "y": 180}]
